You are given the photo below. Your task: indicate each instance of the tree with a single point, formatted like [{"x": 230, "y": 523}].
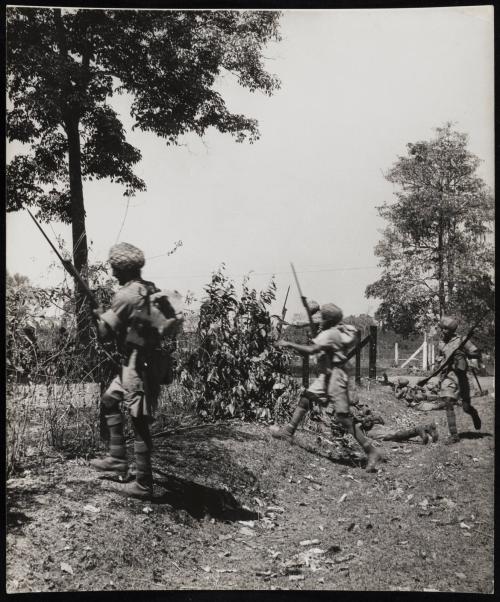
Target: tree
[
  {"x": 436, "y": 253},
  {"x": 63, "y": 66}
]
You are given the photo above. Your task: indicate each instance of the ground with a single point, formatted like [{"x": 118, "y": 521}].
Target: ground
[{"x": 236, "y": 509}]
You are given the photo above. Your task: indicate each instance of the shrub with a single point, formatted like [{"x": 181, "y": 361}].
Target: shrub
[{"x": 235, "y": 370}]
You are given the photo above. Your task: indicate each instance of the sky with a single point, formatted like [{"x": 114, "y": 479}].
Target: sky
[{"x": 356, "y": 87}]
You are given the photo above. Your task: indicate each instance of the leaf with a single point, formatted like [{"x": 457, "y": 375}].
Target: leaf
[
  {"x": 342, "y": 498},
  {"x": 308, "y": 542},
  {"x": 90, "y": 508},
  {"x": 66, "y": 568},
  {"x": 464, "y": 526},
  {"x": 296, "y": 577}
]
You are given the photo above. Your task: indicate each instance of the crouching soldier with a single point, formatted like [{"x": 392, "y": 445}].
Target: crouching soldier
[
  {"x": 139, "y": 316},
  {"x": 331, "y": 388},
  {"x": 375, "y": 426},
  {"x": 454, "y": 383}
]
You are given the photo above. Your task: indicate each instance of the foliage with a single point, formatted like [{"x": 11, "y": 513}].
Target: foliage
[
  {"x": 63, "y": 66},
  {"x": 233, "y": 370},
  {"x": 435, "y": 253}
]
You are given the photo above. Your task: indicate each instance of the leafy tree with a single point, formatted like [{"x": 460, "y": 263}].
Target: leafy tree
[
  {"x": 435, "y": 253},
  {"x": 63, "y": 66}
]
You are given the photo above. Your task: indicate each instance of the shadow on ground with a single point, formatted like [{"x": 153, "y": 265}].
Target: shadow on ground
[
  {"x": 200, "y": 500},
  {"x": 17, "y": 501},
  {"x": 473, "y": 435}
]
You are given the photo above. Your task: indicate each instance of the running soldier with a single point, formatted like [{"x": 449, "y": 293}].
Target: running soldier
[
  {"x": 331, "y": 388},
  {"x": 454, "y": 383},
  {"x": 138, "y": 318}
]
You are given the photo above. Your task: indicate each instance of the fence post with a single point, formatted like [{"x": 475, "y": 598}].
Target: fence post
[
  {"x": 396, "y": 354},
  {"x": 425, "y": 349},
  {"x": 372, "y": 357},
  {"x": 305, "y": 371},
  {"x": 358, "y": 366}
]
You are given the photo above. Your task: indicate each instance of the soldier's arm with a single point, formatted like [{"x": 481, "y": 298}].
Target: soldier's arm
[
  {"x": 301, "y": 349},
  {"x": 471, "y": 350}
]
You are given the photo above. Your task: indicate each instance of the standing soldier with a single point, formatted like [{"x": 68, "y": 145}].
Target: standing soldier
[
  {"x": 454, "y": 383},
  {"x": 331, "y": 388},
  {"x": 138, "y": 318}
]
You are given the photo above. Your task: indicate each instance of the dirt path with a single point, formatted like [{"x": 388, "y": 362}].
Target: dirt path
[{"x": 235, "y": 509}]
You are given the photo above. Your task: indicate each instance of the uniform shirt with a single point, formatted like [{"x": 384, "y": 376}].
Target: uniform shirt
[
  {"x": 460, "y": 358},
  {"x": 128, "y": 298},
  {"x": 335, "y": 343}
]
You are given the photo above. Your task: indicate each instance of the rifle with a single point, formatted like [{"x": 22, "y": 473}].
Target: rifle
[
  {"x": 446, "y": 362},
  {"x": 312, "y": 325},
  {"x": 70, "y": 268},
  {"x": 283, "y": 314}
]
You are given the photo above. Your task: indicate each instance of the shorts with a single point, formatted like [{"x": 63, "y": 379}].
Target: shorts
[
  {"x": 333, "y": 390},
  {"x": 138, "y": 387},
  {"x": 456, "y": 386}
]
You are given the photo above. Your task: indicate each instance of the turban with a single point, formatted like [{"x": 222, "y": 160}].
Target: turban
[
  {"x": 331, "y": 313},
  {"x": 126, "y": 257},
  {"x": 448, "y": 323}
]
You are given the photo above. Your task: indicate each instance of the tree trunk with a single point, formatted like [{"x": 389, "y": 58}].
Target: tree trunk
[
  {"x": 80, "y": 249},
  {"x": 70, "y": 112}
]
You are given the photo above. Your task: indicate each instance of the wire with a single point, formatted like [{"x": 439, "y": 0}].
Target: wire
[
  {"x": 123, "y": 220},
  {"x": 369, "y": 267}
]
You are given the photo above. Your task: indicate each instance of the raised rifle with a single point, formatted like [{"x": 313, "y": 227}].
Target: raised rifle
[
  {"x": 72, "y": 271},
  {"x": 283, "y": 314},
  {"x": 312, "y": 325},
  {"x": 68, "y": 266},
  {"x": 447, "y": 361}
]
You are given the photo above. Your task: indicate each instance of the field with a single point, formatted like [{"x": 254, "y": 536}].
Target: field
[{"x": 235, "y": 509}]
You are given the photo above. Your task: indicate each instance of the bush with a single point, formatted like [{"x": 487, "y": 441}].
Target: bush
[{"x": 235, "y": 371}]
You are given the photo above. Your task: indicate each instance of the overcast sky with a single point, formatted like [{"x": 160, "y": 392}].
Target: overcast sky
[{"x": 356, "y": 87}]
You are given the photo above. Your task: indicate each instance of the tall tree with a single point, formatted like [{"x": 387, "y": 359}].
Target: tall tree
[
  {"x": 436, "y": 253},
  {"x": 63, "y": 66}
]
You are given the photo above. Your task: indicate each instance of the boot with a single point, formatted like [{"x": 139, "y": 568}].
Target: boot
[
  {"x": 115, "y": 462},
  {"x": 133, "y": 489},
  {"x": 432, "y": 431},
  {"x": 287, "y": 432},
  {"x": 452, "y": 422},
  {"x": 373, "y": 458},
  {"x": 475, "y": 418},
  {"x": 111, "y": 465}
]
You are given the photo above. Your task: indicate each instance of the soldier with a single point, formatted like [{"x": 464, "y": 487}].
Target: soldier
[
  {"x": 454, "y": 383},
  {"x": 375, "y": 426},
  {"x": 138, "y": 317},
  {"x": 331, "y": 388}
]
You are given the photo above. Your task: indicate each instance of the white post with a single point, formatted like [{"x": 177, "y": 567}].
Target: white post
[
  {"x": 432, "y": 354},
  {"x": 396, "y": 354},
  {"x": 413, "y": 356},
  {"x": 424, "y": 352}
]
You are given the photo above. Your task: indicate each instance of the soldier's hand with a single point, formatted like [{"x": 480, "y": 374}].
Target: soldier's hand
[
  {"x": 281, "y": 343},
  {"x": 98, "y": 311}
]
